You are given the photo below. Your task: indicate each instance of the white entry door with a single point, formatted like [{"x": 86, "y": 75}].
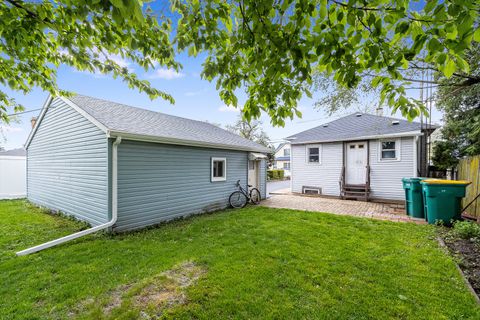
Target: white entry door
[
  {"x": 356, "y": 170},
  {"x": 253, "y": 173}
]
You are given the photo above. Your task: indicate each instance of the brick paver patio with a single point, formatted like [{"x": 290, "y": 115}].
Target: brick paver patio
[{"x": 337, "y": 206}]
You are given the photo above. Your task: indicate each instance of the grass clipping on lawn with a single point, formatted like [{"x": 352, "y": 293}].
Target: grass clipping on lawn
[{"x": 150, "y": 298}]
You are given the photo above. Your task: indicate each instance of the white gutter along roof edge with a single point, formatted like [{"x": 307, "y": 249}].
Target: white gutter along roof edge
[
  {"x": 182, "y": 142},
  {"x": 381, "y": 136}
]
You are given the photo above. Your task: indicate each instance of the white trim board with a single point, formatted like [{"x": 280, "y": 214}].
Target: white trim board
[
  {"x": 373, "y": 137},
  {"x": 181, "y": 142},
  {"x": 100, "y": 125},
  {"x": 70, "y": 104},
  {"x": 398, "y": 150},
  {"x": 222, "y": 178},
  {"x": 39, "y": 119}
]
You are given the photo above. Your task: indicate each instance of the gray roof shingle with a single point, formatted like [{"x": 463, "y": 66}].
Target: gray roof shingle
[
  {"x": 354, "y": 126},
  {"x": 127, "y": 119},
  {"x": 20, "y": 152}
]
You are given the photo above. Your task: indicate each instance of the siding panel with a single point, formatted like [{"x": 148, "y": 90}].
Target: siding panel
[
  {"x": 325, "y": 175},
  {"x": 67, "y": 163},
  {"x": 386, "y": 176},
  {"x": 159, "y": 182}
]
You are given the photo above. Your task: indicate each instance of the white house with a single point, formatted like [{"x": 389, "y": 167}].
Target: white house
[
  {"x": 282, "y": 158},
  {"x": 360, "y": 156}
]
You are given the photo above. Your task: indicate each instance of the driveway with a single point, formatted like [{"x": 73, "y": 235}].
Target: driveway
[
  {"x": 373, "y": 210},
  {"x": 275, "y": 186}
]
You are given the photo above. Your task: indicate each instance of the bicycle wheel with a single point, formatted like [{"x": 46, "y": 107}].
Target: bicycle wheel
[
  {"x": 255, "y": 196},
  {"x": 237, "y": 200}
]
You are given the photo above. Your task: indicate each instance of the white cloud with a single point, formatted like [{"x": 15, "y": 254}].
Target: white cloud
[
  {"x": 167, "y": 74},
  {"x": 10, "y": 129},
  {"x": 195, "y": 93},
  {"x": 118, "y": 60},
  {"x": 229, "y": 108}
]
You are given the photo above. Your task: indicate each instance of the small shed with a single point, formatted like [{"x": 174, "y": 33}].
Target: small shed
[{"x": 88, "y": 157}]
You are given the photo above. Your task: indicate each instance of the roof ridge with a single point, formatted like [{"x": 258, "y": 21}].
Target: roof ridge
[
  {"x": 147, "y": 110},
  {"x": 352, "y": 115},
  {"x": 357, "y": 124},
  {"x": 129, "y": 106}
]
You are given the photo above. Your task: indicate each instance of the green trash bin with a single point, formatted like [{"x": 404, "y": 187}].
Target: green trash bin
[
  {"x": 413, "y": 197},
  {"x": 443, "y": 199}
]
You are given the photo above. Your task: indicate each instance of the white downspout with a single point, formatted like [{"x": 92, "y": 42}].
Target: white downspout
[
  {"x": 94, "y": 229},
  {"x": 415, "y": 157}
]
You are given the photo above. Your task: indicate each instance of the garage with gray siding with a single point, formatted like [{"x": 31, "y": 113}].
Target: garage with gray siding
[{"x": 163, "y": 163}]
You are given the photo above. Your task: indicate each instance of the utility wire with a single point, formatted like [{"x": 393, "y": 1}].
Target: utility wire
[{"x": 23, "y": 112}]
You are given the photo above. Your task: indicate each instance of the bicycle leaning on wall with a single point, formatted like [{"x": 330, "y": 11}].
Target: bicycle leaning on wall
[{"x": 241, "y": 197}]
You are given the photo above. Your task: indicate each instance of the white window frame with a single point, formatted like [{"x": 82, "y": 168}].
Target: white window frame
[
  {"x": 398, "y": 148},
  {"x": 217, "y": 179},
  {"x": 307, "y": 154}
]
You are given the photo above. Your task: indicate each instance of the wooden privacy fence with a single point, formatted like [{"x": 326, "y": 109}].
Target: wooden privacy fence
[{"x": 468, "y": 169}]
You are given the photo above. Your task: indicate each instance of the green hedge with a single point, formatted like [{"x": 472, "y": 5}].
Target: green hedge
[{"x": 275, "y": 174}]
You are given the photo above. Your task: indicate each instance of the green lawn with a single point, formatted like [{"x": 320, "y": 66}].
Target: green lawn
[{"x": 251, "y": 263}]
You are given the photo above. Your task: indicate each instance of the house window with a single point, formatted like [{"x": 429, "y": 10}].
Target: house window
[
  {"x": 286, "y": 166},
  {"x": 286, "y": 152},
  {"x": 388, "y": 150},
  {"x": 219, "y": 169},
  {"x": 313, "y": 154}
]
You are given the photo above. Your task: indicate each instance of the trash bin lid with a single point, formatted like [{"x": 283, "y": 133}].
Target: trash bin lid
[
  {"x": 439, "y": 181},
  {"x": 413, "y": 179}
]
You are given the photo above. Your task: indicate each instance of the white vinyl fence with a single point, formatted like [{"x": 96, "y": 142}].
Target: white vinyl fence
[{"x": 13, "y": 170}]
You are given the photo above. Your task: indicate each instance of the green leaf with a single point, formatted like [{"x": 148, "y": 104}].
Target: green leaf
[
  {"x": 434, "y": 45},
  {"x": 402, "y": 27},
  {"x": 449, "y": 68},
  {"x": 476, "y": 35},
  {"x": 323, "y": 9}
]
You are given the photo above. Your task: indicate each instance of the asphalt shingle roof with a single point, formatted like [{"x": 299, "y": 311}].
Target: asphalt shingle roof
[
  {"x": 354, "y": 126},
  {"x": 132, "y": 120}
]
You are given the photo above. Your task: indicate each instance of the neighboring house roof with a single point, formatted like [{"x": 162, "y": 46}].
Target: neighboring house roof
[
  {"x": 283, "y": 158},
  {"x": 280, "y": 146},
  {"x": 357, "y": 126},
  {"x": 139, "y": 124},
  {"x": 20, "y": 152}
]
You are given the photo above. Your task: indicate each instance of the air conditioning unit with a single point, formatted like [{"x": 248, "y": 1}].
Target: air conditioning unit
[{"x": 311, "y": 190}]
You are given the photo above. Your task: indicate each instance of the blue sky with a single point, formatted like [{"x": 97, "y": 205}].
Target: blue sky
[{"x": 195, "y": 99}]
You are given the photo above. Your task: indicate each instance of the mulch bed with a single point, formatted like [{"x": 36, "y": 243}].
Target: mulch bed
[{"x": 468, "y": 254}]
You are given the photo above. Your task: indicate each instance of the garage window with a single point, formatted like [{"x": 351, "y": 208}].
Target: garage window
[{"x": 219, "y": 169}]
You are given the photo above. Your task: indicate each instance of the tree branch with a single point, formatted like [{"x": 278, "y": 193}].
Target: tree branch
[{"x": 28, "y": 11}]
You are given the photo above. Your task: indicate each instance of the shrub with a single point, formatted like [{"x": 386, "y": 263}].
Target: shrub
[
  {"x": 466, "y": 230},
  {"x": 275, "y": 174}
]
